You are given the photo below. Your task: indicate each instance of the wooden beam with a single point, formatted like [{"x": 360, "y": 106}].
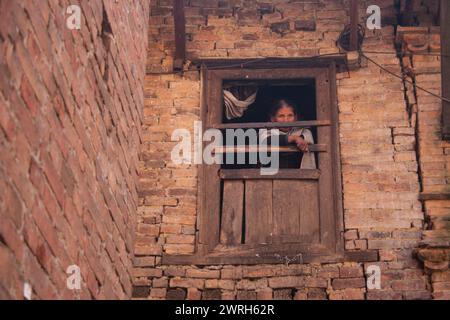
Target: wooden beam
[
  {"x": 408, "y": 13},
  {"x": 272, "y": 62},
  {"x": 283, "y": 174},
  {"x": 250, "y": 259},
  {"x": 437, "y": 14},
  {"x": 256, "y": 149},
  {"x": 354, "y": 20},
  {"x": 180, "y": 34},
  {"x": 445, "y": 48},
  {"x": 434, "y": 196},
  {"x": 273, "y": 125}
]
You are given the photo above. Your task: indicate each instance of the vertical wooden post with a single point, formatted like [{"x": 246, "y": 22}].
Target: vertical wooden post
[
  {"x": 445, "y": 48},
  {"x": 354, "y": 19},
  {"x": 180, "y": 34},
  {"x": 408, "y": 13}
]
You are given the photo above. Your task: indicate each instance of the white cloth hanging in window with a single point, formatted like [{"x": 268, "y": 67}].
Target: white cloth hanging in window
[
  {"x": 308, "y": 160},
  {"x": 235, "y": 108}
]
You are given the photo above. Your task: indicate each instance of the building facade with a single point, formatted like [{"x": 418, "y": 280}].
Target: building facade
[
  {"x": 87, "y": 118},
  {"x": 392, "y": 156}
]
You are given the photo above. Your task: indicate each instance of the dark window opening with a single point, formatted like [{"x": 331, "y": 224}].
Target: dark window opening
[{"x": 301, "y": 92}]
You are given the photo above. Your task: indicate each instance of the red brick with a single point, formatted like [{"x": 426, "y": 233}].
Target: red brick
[
  {"x": 408, "y": 284},
  {"x": 187, "y": 283},
  {"x": 350, "y": 271},
  {"x": 317, "y": 294},
  {"x": 193, "y": 294},
  {"x": 203, "y": 273},
  {"x": 231, "y": 273},
  {"x": 348, "y": 283},
  {"x": 71, "y": 171},
  {"x": 147, "y": 272},
  {"x": 286, "y": 282},
  {"x": 347, "y": 294}
]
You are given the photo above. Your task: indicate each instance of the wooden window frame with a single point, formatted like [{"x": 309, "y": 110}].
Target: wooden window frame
[
  {"x": 209, "y": 187},
  {"x": 445, "y": 47}
]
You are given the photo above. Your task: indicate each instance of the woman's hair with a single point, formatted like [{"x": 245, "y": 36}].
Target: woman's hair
[{"x": 281, "y": 104}]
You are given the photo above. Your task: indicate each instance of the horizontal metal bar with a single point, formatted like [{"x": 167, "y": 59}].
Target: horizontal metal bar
[
  {"x": 273, "y": 125},
  {"x": 255, "y": 174}
]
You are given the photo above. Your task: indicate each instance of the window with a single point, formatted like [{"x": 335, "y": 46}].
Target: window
[{"x": 249, "y": 218}]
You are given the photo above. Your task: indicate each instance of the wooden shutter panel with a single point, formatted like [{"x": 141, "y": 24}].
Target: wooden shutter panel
[
  {"x": 258, "y": 211},
  {"x": 296, "y": 211}
]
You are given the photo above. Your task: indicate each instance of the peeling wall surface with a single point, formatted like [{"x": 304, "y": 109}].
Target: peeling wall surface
[
  {"x": 390, "y": 143},
  {"x": 71, "y": 106}
]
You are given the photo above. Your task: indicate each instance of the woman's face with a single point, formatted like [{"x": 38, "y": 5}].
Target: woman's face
[{"x": 285, "y": 114}]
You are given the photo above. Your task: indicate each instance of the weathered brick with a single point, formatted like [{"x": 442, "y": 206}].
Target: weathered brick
[
  {"x": 193, "y": 294},
  {"x": 408, "y": 284},
  {"x": 175, "y": 271},
  {"x": 158, "y": 293},
  {"x": 231, "y": 273},
  {"x": 176, "y": 294},
  {"x": 187, "y": 283},
  {"x": 246, "y": 295},
  {"x": 219, "y": 284},
  {"x": 284, "y": 294},
  {"x": 203, "y": 273},
  {"x": 211, "y": 294},
  {"x": 251, "y": 284},
  {"x": 347, "y": 294},
  {"x": 141, "y": 292},
  {"x": 286, "y": 282},
  {"x": 160, "y": 283},
  {"x": 348, "y": 283},
  {"x": 317, "y": 294},
  {"x": 383, "y": 295},
  {"x": 302, "y": 25},
  {"x": 264, "y": 294},
  {"x": 280, "y": 27},
  {"x": 316, "y": 283},
  {"x": 350, "y": 271},
  {"x": 351, "y": 235},
  {"x": 147, "y": 272},
  {"x": 301, "y": 295}
]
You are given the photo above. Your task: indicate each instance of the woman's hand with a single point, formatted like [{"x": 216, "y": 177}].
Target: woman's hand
[{"x": 301, "y": 144}]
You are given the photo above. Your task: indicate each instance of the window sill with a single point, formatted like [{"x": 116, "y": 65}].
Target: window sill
[{"x": 269, "y": 258}]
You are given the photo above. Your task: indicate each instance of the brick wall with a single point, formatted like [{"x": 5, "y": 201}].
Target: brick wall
[
  {"x": 433, "y": 153},
  {"x": 381, "y": 183},
  {"x": 73, "y": 118},
  {"x": 71, "y": 106}
]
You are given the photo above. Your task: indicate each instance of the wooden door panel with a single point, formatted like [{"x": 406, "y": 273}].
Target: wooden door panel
[
  {"x": 258, "y": 211},
  {"x": 296, "y": 211},
  {"x": 309, "y": 211},
  {"x": 286, "y": 210},
  {"x": 232, "y": 212}
]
